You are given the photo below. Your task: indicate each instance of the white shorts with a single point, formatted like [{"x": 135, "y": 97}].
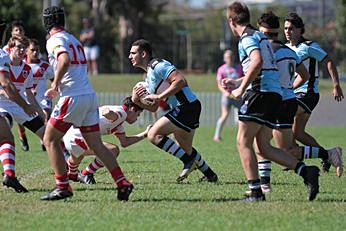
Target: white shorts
[
  {"x": 17, "y": 113},
  {"x": 92, "y": 53},
  {"x": 74, "y": 142},
  {"x": 81, "y": 110}
]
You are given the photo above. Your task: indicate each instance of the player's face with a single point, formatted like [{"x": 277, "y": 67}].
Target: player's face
[
  {"x": 18, "y": 51},
  {"x": 132, "y": 116},
  {"x": 18, "y": 30},
  {"x": 135, "y": 56},
  {"x": 292, "y": 33},
  {"x": 33, "y": 52}
]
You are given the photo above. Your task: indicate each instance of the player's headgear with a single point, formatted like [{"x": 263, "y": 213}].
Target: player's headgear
[{"x": 53, "y": 17}]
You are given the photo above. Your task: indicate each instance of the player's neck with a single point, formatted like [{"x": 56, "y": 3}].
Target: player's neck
[
  {"x": 55, "y": 30},
  {"x": 16, "y": 62}
]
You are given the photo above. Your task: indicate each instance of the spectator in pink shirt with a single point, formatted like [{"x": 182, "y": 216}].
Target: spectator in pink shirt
[{"x": 226, "y": 70}]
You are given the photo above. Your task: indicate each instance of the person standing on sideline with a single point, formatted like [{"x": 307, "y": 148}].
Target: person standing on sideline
[
  {"x": 181, "y": 120},
  {"x": 308, "y": 94},
  {"x": 261, "y": 102},
  {"x": 226, "y": 70},
  {"x": 91, "y": 48},
  {"x": 7, "y": 146},
  {"x": 76, "y": 107}
]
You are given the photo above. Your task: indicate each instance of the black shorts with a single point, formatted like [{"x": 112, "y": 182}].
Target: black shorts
[
  {"x": 288, "y": 109},
  {"x": 260, "y": 107},
  {"x": 186, "y": 116},
  {"x": 308, "y": 101}
]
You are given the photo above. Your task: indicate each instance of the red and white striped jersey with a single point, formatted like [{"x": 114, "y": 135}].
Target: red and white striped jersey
[
  {"x": 75, "y": 81},
  {"x": 112, "y": 127},
  {"x": 21, "y": 77},
  {"x": 42, "y": 72}
]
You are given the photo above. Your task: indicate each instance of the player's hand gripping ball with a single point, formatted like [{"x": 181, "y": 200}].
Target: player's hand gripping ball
[{"x": 144, "y": 94}]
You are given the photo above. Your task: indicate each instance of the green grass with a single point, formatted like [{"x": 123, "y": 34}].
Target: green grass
[
  {"x": 200, "y": 83},
  {"x": 159, "y": 203}
]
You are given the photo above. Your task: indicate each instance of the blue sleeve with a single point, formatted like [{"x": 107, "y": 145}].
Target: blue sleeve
[
  {"x": 164, "y": 69},
  {"x": 317, "y": 52},
  {"x": 249, "y": 44}
]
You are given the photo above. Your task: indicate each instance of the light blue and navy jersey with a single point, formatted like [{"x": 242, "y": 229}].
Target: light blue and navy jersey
[
  {"x": 268, "y": 79},
  {"x": 158, "y": 71},
  {"x": 310, "y": 53},
  {"x": 287, "y": 61}
]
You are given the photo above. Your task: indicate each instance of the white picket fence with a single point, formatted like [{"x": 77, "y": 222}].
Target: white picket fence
[{"x": 210, "y": 107}]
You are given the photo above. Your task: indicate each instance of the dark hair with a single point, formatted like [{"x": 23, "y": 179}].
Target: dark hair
[
  {"x": 17, "y": 23},
  {"x": 239, "y": 13},
  {"x": 144, "y": 45},
  {"x": 127, "y": 102},
  {"x": 33, "y": 42},
  {"x": 270, "y": 21},
  {"x": 296, "y": 21},
  {"x": 53, "y": 17}
]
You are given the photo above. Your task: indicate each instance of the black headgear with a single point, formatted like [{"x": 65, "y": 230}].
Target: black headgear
[{"x": 53, "y": 17}]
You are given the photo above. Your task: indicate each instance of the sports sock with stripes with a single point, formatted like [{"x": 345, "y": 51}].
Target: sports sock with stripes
[
  {"x": 93, "y": 167},
  {"x": 264, "y": 170},
  {"x": 169, "y": 146},
  {"x": 8, "y": 158},
  {"x": 202, "y": 164}
]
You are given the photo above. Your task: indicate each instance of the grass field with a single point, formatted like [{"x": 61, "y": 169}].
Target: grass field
[
  {"x": 159, "y": 203},
  {"x": 200, "y": 83}
]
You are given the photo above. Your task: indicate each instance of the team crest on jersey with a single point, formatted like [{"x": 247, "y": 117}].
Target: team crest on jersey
[
  {"x": 176, "y": 111},
  {"x": 25, "y": 74},
  {"x": 56, "y": 113},
  {"x": 7, "y": 65}
]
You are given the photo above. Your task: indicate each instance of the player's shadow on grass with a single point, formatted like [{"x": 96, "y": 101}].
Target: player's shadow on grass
[{"x": 197, "y": 200}]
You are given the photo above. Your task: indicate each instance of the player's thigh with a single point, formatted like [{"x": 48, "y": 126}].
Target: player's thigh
[
  {"x": 52, "y": 134},
  {"x": 247, "y": 131},
  {"x": 263, "y": 138},
  {"x": 93, "y": 140},
  {"x": 162, "y": 127}
]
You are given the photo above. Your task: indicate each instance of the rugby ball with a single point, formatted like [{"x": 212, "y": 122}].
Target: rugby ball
[{"x": 146, "y": 93}]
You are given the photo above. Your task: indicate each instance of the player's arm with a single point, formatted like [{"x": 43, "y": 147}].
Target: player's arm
[
  {"x": 13, "y": 94},
  {"x": 302, "y": 77},
  {"x": 126, "y": 141},
  {"x": 253, "y": 71},
  {"x": 62, "y": 67},
  {"x": 176, "y": 83},
  {"x": 136, "y": 93},
  {"x": 337, "y": 91},
  {"x": 109, "y": 114},
  {"x": 33, "y": 102}
]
